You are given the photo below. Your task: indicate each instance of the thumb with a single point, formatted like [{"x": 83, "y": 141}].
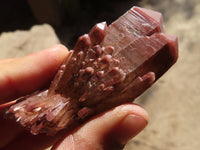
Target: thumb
[{"x": 110, "y": 130}]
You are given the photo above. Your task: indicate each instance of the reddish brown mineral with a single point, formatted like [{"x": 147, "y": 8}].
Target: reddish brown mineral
[{"x": 109, "y": 66}]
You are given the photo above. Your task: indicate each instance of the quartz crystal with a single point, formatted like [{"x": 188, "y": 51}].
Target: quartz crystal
[{"x": 109, "y": 66}]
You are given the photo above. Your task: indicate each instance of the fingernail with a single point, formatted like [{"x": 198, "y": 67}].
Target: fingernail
[{"x": 130, "y": 126}]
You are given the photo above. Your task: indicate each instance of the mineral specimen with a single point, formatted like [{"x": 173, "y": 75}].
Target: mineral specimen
[{"x": 107, "y": 67}]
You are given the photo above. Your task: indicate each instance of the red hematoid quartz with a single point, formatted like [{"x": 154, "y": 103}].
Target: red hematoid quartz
[{"x": 109, "y": 66}]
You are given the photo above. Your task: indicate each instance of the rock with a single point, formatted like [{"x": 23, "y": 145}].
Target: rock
[{"x": 20, "y": 43}]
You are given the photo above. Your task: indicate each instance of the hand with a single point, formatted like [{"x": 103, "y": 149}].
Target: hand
[{"x": 21, "y": 76}]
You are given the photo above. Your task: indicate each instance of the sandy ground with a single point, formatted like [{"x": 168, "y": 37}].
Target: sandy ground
[
  {"x": 20, "y": 43},
  {"x": 173, "y": 102}
]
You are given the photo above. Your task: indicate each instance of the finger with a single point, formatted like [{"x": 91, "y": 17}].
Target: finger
[
  {"x": 21, "y": 76},
  {"x": 101, "y": 132},
  {"x": 6, "y": 60},
  {"x": 26, "y": 141},
  {"x": 24, "y": 75},
  {"x": 112, "y": 130},
  {"x": 8, "y": 131}
]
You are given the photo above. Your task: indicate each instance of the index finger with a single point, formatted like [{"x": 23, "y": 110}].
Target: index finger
[{"x": 21, "y": 76}]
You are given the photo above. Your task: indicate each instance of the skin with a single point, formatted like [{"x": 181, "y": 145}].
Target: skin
[{"x": 20, "y": 76}]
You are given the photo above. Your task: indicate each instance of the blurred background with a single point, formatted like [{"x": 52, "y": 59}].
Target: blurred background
[{"x": 173, "y": 102}]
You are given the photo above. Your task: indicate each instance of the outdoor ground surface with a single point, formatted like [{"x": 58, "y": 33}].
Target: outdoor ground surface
[{"x": 173, "y": 102}]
